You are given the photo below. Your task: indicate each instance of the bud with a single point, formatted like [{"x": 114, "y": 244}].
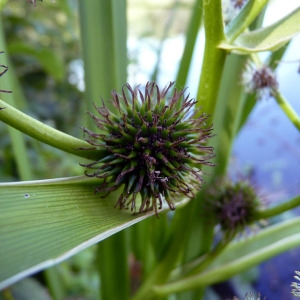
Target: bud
[
  {"x": 235, "y": 205},
  {"x": 153, "y": 146},
  {"x": 261, "y": 80}
]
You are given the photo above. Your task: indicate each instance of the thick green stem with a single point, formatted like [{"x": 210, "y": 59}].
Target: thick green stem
[
  {"x": 208, "y": 90},
  {"x": 112, "y": 262},
  {"x": 288, "y": 110},
  {"x": 44, "y": 133},
  {"x": 103, "y": 26},
  {"x": 214, "y": 58}
]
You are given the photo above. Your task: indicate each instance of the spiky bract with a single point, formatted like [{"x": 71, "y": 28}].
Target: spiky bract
[{"x": 152, "y": 145}]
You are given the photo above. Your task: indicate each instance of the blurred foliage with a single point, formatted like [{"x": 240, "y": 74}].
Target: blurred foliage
[{"x": 43, "y": 45}]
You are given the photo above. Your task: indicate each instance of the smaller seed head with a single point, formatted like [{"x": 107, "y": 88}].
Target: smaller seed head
[
  {"x": 235, "y": 205},
  {"x": 261, "y": 80}
]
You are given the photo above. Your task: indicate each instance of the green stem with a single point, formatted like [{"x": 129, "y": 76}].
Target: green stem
[
  {"x": 103, "y": 27},
  {"x": 285, "y": 106},
  {"x": 214, "y": 58},
  {"x": 228, "y": 112},
  {"x": 172, "y": 253},
  {"x": 44, "y": 133},
  {"x": 228, "y": 270},
  {"x": 165, "y": 34},
  {"x": 198, "y": 265},
  {"x": 54, "y": 283},
  {"x": 191, "y": 38},
  {"x": 279, "y": 209},
  {"x": 112, "y": 259},
  {"x": 10, "y": 82}
]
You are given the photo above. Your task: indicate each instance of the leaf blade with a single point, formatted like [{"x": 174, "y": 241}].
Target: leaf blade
[
  {"x": 269, "y": 38},
  {"x": 45, "y": 222}
]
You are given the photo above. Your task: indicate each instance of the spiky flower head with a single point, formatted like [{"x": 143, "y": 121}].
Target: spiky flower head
[
  {"x": 235, "y": 205},
  {"x": 152, "y": 145},
  {"x": 296, "y": 285},
  {"x": 260, "y": 80}
]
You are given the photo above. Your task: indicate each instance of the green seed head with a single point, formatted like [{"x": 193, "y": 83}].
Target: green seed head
[{"x": 151, "y": 145}]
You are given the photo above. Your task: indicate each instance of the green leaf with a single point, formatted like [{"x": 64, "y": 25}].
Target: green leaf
[
  {"x": 245, "y": 18},
  {"x": 269, "y": 38},
  {"x": 44, "y": 222}
]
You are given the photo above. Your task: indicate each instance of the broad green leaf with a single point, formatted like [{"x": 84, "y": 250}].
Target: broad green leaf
[
  {"x": 269, "y": 38},
  {"x": 44, "y": 222}
]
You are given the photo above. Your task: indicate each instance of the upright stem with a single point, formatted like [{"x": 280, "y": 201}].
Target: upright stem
[
  {"x": 112, "y": 262},
  {"x": 103, "y": 27},
  {"x": 214, "y": 57},
  {"x": 287, "y": 109},
  {"x": 9, "y": 82}
]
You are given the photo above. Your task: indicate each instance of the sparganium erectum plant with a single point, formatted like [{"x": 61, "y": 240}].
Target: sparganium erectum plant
[{"x": 153, "y": 145}]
